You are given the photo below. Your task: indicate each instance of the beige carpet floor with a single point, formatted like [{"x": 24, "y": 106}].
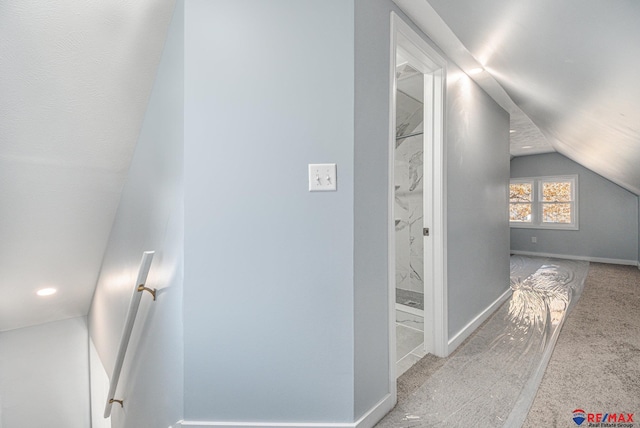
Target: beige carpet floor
[{"x": 595, "y": 365}]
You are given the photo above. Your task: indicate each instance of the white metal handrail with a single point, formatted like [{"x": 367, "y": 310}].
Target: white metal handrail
[{"x": 145, "y": 265}]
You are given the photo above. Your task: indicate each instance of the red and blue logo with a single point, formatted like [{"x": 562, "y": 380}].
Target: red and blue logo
[
  {"x": 613, "y": 419},
  {"x": 579, "y": 416}
]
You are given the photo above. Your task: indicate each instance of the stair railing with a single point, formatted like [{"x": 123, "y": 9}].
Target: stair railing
[{"x": 145, "y": 265}]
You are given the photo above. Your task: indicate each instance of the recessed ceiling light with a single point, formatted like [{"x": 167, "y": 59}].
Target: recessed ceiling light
[
  {"x": 476, "y": 70},
  {"x": 46, "y": 292},
  {"x": 527, "y": 147}
]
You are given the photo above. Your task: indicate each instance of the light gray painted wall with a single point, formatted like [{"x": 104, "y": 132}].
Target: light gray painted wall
[
  {"x": 477, "y": 171},
  {"x": 149, "y": 217},
  {"x": 99, "y": 389},
  {"x": 372, "y": 24},
  {"x": 607, "y": 214},
  {"x": 268, "y": 301},
  {"x": 44, "y": 376},
  {"x": 477, "y": 164}
]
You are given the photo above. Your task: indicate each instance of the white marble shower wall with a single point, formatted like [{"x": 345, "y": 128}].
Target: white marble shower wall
[
  {"x": 408, "y": 212},
  {"x": 408, "y": 180}
]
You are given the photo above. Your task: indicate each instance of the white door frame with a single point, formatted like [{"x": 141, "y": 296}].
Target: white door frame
[{"x": 433, "y": 66}]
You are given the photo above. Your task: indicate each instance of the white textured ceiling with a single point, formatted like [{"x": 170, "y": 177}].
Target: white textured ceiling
[
  {"x": 570, "y": 66},
  {"x": 76, "y": 77}
]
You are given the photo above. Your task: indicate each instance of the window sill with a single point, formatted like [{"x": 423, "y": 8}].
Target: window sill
[{"x": 544, "y": 226}]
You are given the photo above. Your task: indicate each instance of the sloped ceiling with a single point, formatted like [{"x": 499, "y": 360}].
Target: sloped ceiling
[
  {"x": 570, "y": 66},
  {"x": 76, "y": 77}
]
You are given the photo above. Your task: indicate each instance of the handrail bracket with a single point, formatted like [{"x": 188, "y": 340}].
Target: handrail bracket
[
  {"x": 152, "y": 291},
  {"x": 120, "y": 402}
]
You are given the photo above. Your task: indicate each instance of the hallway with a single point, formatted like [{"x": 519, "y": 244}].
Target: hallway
[{"x": 491, "y": 379}]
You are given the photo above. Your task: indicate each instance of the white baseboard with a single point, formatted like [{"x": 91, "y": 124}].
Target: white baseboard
[
  {"x": 584, "y": 258},
  {"x": 368, "y": 420},
  {"x": 459, "y": 337},
  {"x": 376, "y": 413}
]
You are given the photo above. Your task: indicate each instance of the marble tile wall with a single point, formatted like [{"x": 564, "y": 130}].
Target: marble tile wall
[
  {"x": 409, "y": 188},
  {"x": 408, "y": 212}
]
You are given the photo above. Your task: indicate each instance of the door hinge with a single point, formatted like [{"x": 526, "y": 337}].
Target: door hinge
[{"x": 425, "y": 231}]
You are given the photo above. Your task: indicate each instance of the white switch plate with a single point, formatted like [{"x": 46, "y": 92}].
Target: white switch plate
[{"x": 322, "y": 177}]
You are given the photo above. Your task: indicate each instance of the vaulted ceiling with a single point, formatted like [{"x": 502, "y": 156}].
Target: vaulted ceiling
[
  {"x": 570, "y": 67},
  {"x": 74, "y": 85},
  {"x": 76, "y": 77}
]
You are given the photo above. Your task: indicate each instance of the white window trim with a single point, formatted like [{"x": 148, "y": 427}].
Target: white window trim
[
  {"x": 533, "y": 190},
  {"x": 536, "y": 208}
]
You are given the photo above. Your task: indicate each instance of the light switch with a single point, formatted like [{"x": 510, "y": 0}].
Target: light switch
[{"x": 322, "y": 177}]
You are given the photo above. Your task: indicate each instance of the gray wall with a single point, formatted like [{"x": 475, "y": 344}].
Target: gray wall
[
  {"x": 608, "y": 214},
  {"x": 44, "y": 376},
  {"x": 477, "y": 165},
  {"x": 371, "y": 218},
  {"x": 268, "y": 300},
  {"x": 285, "y": 304},
  {"x": 149, "y": 217}
]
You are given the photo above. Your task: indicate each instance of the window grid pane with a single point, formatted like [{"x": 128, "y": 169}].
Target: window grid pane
[
  {"x": 520, "y": 212},
  {"x": 556, "y": 191},
  {"x": 520, "y": 192},
  {"x": 557, "y": 212}
]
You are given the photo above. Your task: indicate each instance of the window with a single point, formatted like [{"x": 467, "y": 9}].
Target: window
[
  {"x": 544, "y": 202},
  {"x": 520, "y": 201}
]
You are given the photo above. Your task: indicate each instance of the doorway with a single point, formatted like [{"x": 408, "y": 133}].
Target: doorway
[
  {"x": 417, "y": 279},
  {"x": 410, "y": 179}
]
